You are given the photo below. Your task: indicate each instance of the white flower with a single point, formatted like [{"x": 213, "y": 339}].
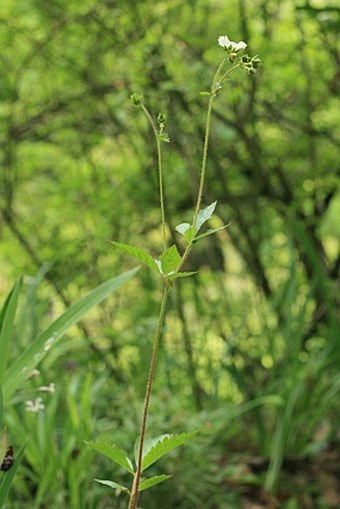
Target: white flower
[
  {"x": 224, "y": 41},
  {"x": 35, "y": 406},
  {"x": 34, "y": 373},
  {"x": 47, "y": 388}
]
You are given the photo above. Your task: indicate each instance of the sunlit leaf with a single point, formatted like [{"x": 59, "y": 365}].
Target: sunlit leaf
[
  {"x": 138, "y": 253},
  {"x": 182, "y": 228},
  {"x": 170, "y": 260},
  {"x": 187, "y": 230},
  {"x": 204, "y": 215}
]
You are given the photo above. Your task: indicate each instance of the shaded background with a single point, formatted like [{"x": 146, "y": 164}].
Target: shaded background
[{"x": 250, "y": 349}]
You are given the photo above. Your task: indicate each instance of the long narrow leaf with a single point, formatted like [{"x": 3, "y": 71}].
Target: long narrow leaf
[
  {"x": 35, "y": 352},
  {"x": 1, "y": 407},
  {"x": 6, "y": 325}
]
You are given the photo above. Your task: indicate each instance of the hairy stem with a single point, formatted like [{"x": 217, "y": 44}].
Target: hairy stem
[
  {"x": 137, "y": 476},
  {"x": 167, "y": 282},
  {"x": 161, "y": 191},
  {"x": 160, "y": 171},
  {"x": 216, "y": 85}
]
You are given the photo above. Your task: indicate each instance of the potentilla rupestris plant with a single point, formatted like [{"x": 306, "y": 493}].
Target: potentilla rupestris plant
[{"x": 168, "y": 266}]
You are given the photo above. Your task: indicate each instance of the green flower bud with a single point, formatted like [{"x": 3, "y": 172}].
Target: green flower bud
[
  {"x": 256, "y": 61},
  {"x": 137, "y": 99},
  {"x": 161, "y": 119},
  {"x": 245, "y": 59}
]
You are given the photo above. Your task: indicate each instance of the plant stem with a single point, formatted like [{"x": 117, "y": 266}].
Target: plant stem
[
  {"x": 161, "y": 190},
  {"x": 158, "y": 333},
  {"x": 204, "y": 159},
  {"x": 214, "y": 90},
  {"x": 167, "y": 282},
  {"x": 160, "y": 171}
]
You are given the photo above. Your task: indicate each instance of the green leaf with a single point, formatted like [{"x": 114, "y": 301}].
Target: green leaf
[
  {"x": 114, "y": 453},
  {"x": 152, "y": 481},
  {"x": 141, "y": 255},
  {"x": 182, "y": 274},
  {"x": 170, "y": 260},
  {"x": 187, "y": 230},
  {"x": 113, "y": 485},
  {"x": 182, "y": 228},
  {"x": 205, "y": 94},
  {"x": 36, "y": 351},
  {"x": 8, "y": 477},
  {"x": 1, "y": 407},
  {"x": 204, "y": 215},
  {"x": 158, "y": 447},
  {"x": 6, "y": 324},
  {"x": 210, "y": 232}
]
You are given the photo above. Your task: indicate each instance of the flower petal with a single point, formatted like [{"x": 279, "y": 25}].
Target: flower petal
[
  {"x": 240, "y": 46},
  {"x": 224, "y": 41}
]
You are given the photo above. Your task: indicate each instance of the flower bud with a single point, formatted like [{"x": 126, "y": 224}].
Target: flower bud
[
  {"x": 137, "y": 99},
  {"x": 256, "y": 61},
  {"x": 161, "y": 119}
]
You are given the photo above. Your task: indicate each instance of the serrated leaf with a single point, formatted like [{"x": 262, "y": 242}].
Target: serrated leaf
[
  {"x": 149, "y": 443},
  {"x": 141, "y": 255},
  {"x": 113, "y": 485},
  {"x": 114, "y": 453},
  {"x": 204, "y": 215},
  {"x": 182, "y": 274},
  {"x": 160, "y": 446},
  {"x": 170, "y": 260},
  {"x": 210, "y": 232},
  {"x": 148, "y": 483}
]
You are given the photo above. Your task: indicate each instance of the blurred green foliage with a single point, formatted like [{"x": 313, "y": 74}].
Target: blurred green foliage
[{"x": 251, "y": 346}]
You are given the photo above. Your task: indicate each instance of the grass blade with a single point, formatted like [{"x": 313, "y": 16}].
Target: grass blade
[
  {"x": 35, "y": 352},
  {"x": 6, "y": 325}
]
